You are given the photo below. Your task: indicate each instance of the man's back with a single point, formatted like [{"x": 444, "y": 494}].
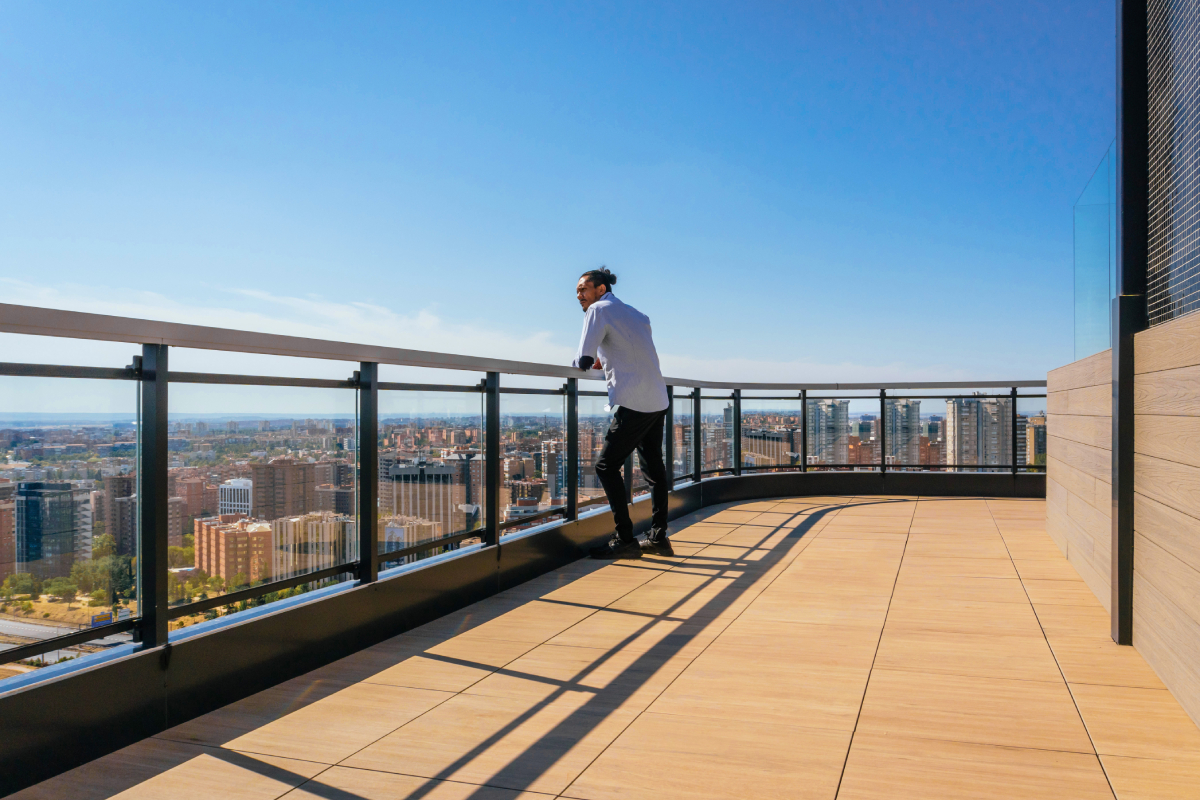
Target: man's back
[{"x": 621, "y": 336}]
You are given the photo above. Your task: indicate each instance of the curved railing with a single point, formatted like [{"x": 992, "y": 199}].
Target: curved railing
[{"x": 394, "y": 498}]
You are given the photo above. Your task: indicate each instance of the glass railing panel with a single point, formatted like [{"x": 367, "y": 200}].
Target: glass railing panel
[
  {"x": 772, "y": 434},
  {"x": 263, "y": 485},
  {"x": 1031, "y": 434},
  {"x": 955, "y": 433},
  {"x": 1095, "y": 258},
  {"x": 533, "y": 459},
  {"x": 431, "y": 472},
  {"x": 69, "y": 535},
  {"x": 716, "y": 433},
  {"x": 682, "y": 432},
  {"x": 843, "y": 433},
  {"x": 594, "y": 419}
]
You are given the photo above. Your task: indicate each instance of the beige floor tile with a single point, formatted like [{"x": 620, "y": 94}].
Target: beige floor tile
[
  {"x": 766, "y": 689},
  {"x": 731, "y": 516},
  {"x": 681, "y": 595},
  {"x": 1010, "y": 713},
  {"x": 945, "y": 589},
  {"x": 988, "y": 619},
  {"x": 958, "y": 567},
  {"x": 1130, "y": 721},
  {"x": 1080, "y": 622},
  {"x": 504, "y": 742},
  {"x": 1012, "y": 657},
  {"x": 604, "y": 677},
  {"x": 235, "y": 776},
  {"x": 612, "y": 630},
  {"x": 932, "y": 545},
  {"x": 331, "y": 729},
  {"x": 532, "y": 622},
  {"x": 1092, "y": 660},
  {"x": 156, "y": 768},
  {"x": 600, "y": 588},
  {"x": 236, "y": 719},
  {"x": 670, "y": 757},
  {"x": 818, "y": 607},
  {"x": 1153, "y": 778},
  {"x": 452, "y": 665},
  {"x": 900, "y": 768},
  {"x": 802, "y": 644},
  {"x": 344, "y": 783},
  {"x": 1059, "y": 593},
  {"x": 1058, "y": 569},
  {"x": 703, "y": 533}
]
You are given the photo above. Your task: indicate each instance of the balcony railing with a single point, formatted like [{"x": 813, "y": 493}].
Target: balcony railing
[{"x": 394, "y": 495}]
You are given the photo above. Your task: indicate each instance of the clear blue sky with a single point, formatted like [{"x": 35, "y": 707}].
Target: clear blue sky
[{"x": 802, "y": 190}]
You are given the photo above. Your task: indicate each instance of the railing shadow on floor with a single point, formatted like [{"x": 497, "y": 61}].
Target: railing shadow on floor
[{"x": 176, "y": 746}]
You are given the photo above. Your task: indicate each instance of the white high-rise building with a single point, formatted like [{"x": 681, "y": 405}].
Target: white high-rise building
[
  {"x": 979, "y": 432},
  {"x": 828, "y": 431},
  {"x": 236, "y": 496},
  {"x": 902, "y": 432}
]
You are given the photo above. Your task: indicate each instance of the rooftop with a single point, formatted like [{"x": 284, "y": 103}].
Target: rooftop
[{"x": 816, "y": 647}]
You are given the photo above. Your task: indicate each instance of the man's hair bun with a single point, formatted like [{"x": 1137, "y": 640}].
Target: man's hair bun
[{"x": 600, "y": 276}]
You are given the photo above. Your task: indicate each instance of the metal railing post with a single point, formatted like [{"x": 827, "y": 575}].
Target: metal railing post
[
  {"x": 152, "y": 492},
  {"x": 804, "y": 430},
  {"x": 737, "y": 431},
  {"x": 491, "y": 459},
  {"x": 1013, "y": 422},
  {"x": 883, "y": 430},
  {"x": 669, "y": 438},
  {"x": 572, "y": 488},
  {"x": 368, "y": 471},
  {"x": 697, "y": 441}
]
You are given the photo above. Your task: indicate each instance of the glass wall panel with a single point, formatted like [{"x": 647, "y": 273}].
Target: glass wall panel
[
  {"x": 1095, "y": 258},
  {"x": 682, "y": 432},
  {"x": 431, "y": 470},
  {"x": 69, "y": 537},
  {"x": 593, "y": 423},
  {"x": 843, "y": 433},
  {"x": 533, "y": 459},
  {"x": 263, "y": 485},
  {"x": 1031, "y": 434},
  {"x": 716, "y": 433},
  {"x": 772, "y": 432}
]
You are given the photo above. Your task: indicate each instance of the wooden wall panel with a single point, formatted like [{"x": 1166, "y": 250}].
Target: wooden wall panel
[
  {"x": 1079, "y": 467},
  {"x": 1166, "y": 514}
]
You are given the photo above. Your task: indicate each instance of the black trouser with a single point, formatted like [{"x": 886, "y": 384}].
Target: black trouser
[{"x": 642, "y": 431}]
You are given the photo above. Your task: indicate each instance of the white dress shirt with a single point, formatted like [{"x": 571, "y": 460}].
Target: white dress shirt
[{"x": 620, "y": 336}]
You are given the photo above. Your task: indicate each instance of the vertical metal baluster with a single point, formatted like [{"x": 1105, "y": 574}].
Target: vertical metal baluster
[
  {"x": 368, "y": 471},
  {"x": 697, "y": 448},
  {"x": 152, "y": 497},
  {"x": 804, "y": 430},
  {"x": 1013, "y": 421},
  {"x": 669, "y": 438},
  {"x": 737, "y": 431},
  {"x": 882, "y": 430},
  {"x": 572, "y": 393},
  {"x": 491, "y": 459}
]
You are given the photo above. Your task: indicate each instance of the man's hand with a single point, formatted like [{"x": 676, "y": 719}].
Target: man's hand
[{"x": 585, "y": 362}]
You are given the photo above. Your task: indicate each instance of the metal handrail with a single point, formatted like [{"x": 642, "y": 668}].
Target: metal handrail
[{"x": 36, "y": 321}]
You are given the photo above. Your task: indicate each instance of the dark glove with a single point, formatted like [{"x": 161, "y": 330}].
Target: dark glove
[{"x": 585, "y": 362}]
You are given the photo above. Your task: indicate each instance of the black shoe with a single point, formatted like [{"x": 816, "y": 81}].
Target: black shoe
[
  {"x": 658, "y": 543},
  {"x": 615, "y": 548}
]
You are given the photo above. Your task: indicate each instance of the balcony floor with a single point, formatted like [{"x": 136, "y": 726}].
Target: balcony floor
[{"x": 805, "y": 648}]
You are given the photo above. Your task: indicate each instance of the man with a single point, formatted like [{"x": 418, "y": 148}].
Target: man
[{"x": 619, "y": 336}]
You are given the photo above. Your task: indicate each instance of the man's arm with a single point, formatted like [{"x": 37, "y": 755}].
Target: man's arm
[{"x": 593, "y": 333}]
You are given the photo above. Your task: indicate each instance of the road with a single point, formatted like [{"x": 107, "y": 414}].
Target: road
[{"x": 34, "y": 630}]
